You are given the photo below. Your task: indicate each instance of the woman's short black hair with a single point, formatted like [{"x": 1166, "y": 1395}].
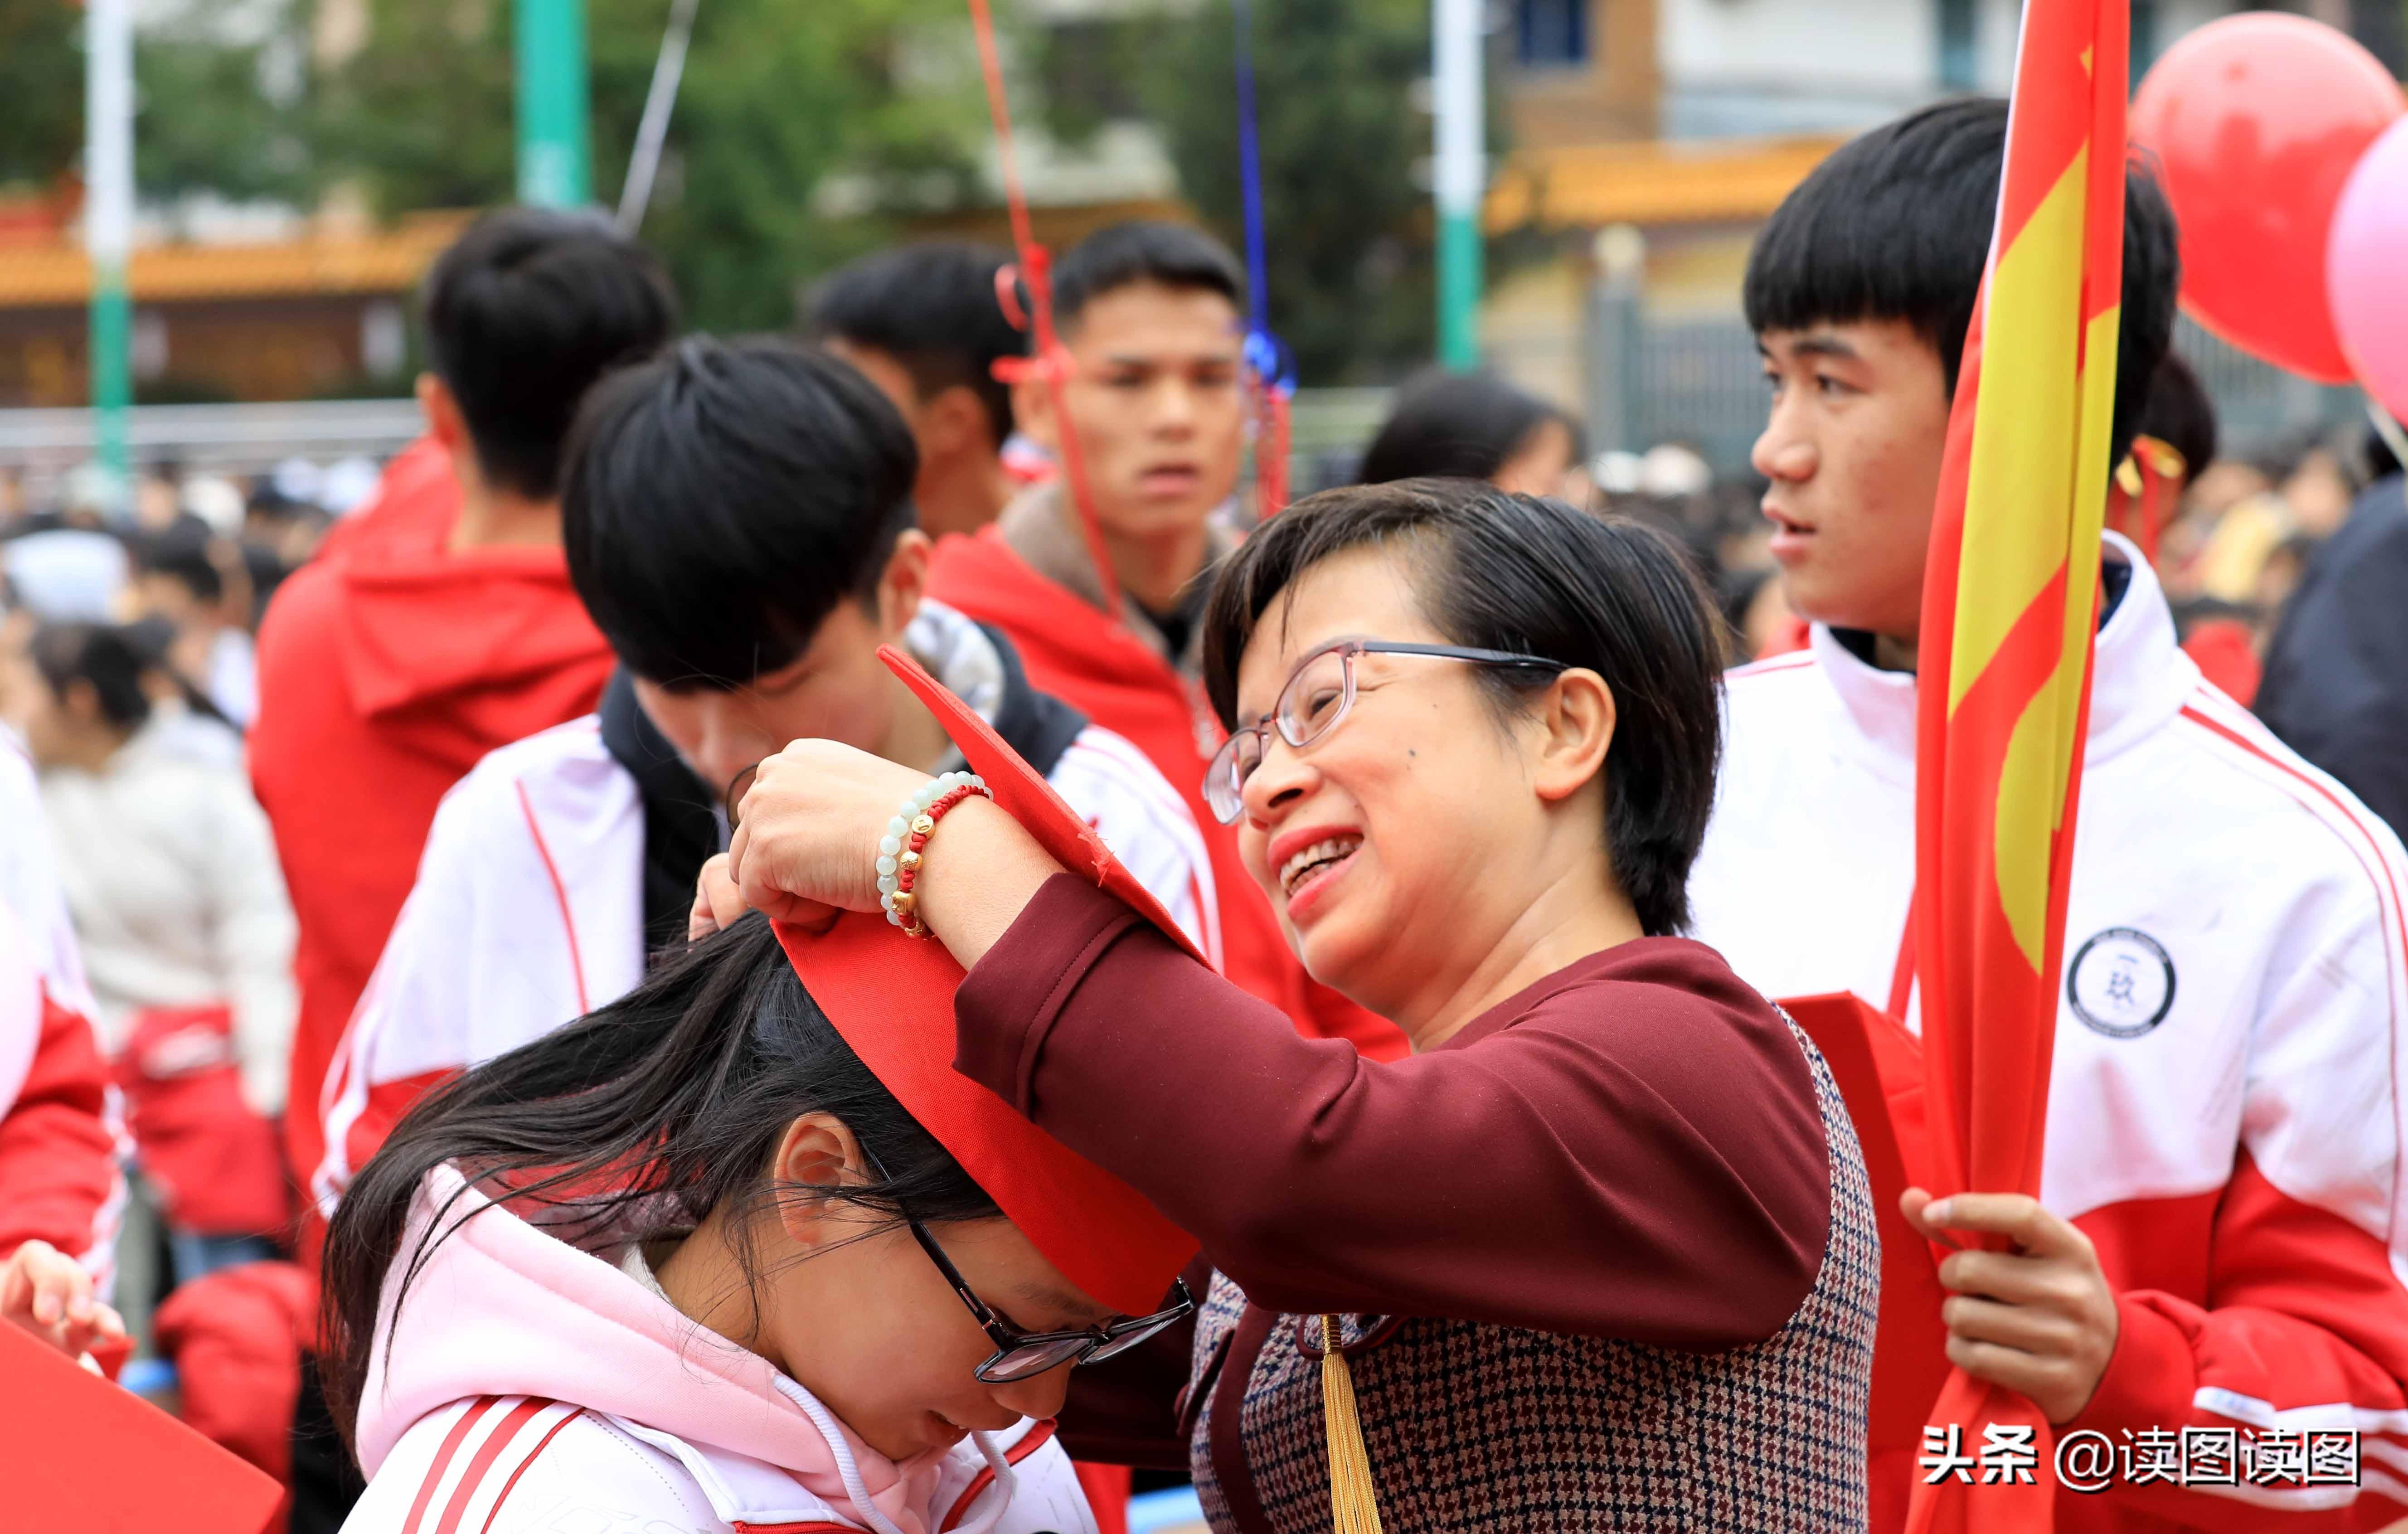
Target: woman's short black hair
[
  {"x": 1896, "y": 225},
  {"x": 1521, "y": 573},
  {"x": 1457, "y": 425},
  {"x": 724, "y": 497}
]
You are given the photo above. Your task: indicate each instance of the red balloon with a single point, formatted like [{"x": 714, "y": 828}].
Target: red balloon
[{"x": 2255, "y": 120}]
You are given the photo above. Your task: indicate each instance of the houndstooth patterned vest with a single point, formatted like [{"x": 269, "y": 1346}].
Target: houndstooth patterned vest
[{"x": 1474, "y": 1427}]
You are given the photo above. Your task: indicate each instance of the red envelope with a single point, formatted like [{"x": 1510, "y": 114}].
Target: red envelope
[{"x": 77, "y": 1453}]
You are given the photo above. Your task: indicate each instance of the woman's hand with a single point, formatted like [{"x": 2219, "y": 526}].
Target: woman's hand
[
  {"x": 48, "y": 1292},
  {"x": 806, "y": 847},
  {"x": 806, "y": 842}
]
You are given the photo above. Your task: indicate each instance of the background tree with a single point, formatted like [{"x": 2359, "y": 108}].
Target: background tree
[
  {"x": 41, "y": 81},
  {"x": 1349, "y": 229},
  {"x": 781, "y": 106},
  {"x": 216, "y": 87},
  {"x": 218, "y": 103}
]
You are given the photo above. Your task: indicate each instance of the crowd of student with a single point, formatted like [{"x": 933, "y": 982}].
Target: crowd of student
[{"x": 1340, "y": 997}]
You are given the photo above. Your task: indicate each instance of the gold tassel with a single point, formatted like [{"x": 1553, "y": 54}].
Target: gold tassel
[{"x": 1353, "y": 1506}]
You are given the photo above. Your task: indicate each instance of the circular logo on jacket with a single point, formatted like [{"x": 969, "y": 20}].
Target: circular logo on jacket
[{"x": 2121, "y": 983}]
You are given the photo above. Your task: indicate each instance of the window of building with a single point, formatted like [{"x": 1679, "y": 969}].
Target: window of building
[
  {"x": 1959, "y": 43},
  {"x": 1551, "y": 33}
]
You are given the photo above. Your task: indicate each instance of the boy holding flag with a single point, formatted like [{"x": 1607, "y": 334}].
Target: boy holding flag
[{"x": 2196, "y": 986}]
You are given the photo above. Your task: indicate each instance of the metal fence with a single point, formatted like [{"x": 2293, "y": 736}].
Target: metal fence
[
  {"x": 217, "y": 439},
  {"x": 1694, "y": 381}
]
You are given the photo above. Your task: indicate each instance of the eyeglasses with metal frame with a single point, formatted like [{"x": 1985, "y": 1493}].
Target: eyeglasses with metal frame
[{"x": 1316, "y": 697}]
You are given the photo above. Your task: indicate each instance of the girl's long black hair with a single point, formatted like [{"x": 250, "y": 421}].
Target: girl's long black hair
[{"x": 645, "y": 1116}]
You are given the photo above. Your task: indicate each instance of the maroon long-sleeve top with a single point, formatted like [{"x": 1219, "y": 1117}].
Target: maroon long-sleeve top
[{"x": 1629, "y": 1148}]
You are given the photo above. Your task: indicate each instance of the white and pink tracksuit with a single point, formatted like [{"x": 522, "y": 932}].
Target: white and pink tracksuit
[{"x": 532, "y": 1386}]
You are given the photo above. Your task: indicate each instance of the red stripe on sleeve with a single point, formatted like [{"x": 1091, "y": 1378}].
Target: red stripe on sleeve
[
  {"x": 487, "y": 1452},
  {"x": 443, "y": 1462},
  {"x": 496, "y": 1511},
  {"x": 559, "y": 893}
]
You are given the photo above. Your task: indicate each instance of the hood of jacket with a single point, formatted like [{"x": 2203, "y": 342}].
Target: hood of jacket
[
  {"x": 500, "y": 1307},
  {"x": 454, "y": 653}
]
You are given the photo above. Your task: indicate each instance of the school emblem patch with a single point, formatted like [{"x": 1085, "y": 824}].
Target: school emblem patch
[{"x": 2121, "y": 983}]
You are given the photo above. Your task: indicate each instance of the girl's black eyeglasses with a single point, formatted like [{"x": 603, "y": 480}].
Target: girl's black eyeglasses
[{"x": 1024, "y": 1355}]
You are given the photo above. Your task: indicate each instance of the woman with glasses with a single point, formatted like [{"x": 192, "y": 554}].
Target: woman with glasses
[
  {"x": 1602, "y": 1252},
  {"x": 692, "y": 1263}
]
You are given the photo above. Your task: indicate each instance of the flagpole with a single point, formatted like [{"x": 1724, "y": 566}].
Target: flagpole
[
  {"x": 1456, "y": 39},
  {"x": 554, "y": 144},
  {"x": 636, "y": 194},
  {"x": 108, "y": 232}
]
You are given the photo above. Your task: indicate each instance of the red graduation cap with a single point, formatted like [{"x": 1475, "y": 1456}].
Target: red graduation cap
[
  {"x": 891, "y": 999},
  {"x": 77, "y": 1452}
]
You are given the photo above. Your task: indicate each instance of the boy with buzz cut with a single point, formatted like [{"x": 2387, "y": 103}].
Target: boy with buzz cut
[
  {"x": 2221, "y": 1239},
  {"x": 923, "y": 322},
  {"x": 1149, "y": 313},
  {"x": 739, "y": 521}
]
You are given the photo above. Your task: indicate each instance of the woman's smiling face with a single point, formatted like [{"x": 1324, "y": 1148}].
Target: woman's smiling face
[{"x": 1380, "y": 843}]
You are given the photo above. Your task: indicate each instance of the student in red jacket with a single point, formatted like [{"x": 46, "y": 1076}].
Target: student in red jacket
[
  {"x": 389, "y": 667},
  {"x": 61, "y": 1193},
  {"x": 1149, "y": 313},
  {"x": 58, "y": 1187}
]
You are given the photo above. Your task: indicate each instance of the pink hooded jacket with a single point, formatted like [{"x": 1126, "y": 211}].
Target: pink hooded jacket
[{"x": 531, "y": 1386}]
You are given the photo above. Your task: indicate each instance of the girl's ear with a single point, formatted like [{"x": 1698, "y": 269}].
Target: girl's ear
[
  {"x": 1576, "y": 718},
  {"x": 817, "y": 1150}
]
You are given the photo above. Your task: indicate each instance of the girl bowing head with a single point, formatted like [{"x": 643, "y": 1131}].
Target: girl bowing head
[
  {"x": 1602, "y": 1252},
  {"x": 722, "y": 1256}
]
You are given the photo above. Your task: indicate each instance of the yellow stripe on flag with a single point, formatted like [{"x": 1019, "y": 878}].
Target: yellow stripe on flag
[{"x": 2021, "y": 469}]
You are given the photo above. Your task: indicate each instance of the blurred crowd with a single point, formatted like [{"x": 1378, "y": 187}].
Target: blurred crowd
[
  {"x": 129, "y": 669},
  {"x": 126, "y": 650}
]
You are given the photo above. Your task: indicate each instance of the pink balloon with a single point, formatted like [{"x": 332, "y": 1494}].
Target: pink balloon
[
  {"x": 2365, "y": 269},
  {"x": 2255, "y": 120}
]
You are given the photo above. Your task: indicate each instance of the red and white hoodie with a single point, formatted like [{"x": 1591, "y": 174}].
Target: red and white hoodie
[
  {"x": 531, "y": 1386},
  {"x": 2225, "y": 1102},
  {"x": 528, "y": 911},
  {"x": 60, "y": 1130}
]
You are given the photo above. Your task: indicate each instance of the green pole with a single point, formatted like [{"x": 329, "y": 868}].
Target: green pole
[
  {"x": 112, "y": 380},
  {"x": 108, "y": 233},
  {"x": 556, "y": 153},
  {"x": 1459, "y": 175},
  {"x": 1458, "y": 289}
]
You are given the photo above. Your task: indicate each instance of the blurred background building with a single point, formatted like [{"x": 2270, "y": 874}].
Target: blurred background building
[{"x": 322, "y": 151}]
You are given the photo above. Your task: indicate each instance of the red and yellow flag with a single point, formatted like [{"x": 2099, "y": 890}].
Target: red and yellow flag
[{"x": 2008, "y": 612}]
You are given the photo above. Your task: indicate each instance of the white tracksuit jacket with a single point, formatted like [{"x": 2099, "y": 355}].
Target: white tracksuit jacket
[
  {"x": 528, "y": 909},
  {"x": 2225, "y": 1101}
]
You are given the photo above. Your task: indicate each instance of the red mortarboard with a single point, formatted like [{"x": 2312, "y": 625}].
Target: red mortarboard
[
  {"x": 891, "y": 999},
  {"x": 77, "y": 1452}
]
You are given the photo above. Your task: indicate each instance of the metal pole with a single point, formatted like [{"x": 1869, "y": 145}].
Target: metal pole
[
  {"x": 653, "y": 130},
  {"x": 1456, "y": 43},
  {"x": 1612, "y": 333},
  {"x": 555, "y": 156},
  {"x": 108, "y": 231}
]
